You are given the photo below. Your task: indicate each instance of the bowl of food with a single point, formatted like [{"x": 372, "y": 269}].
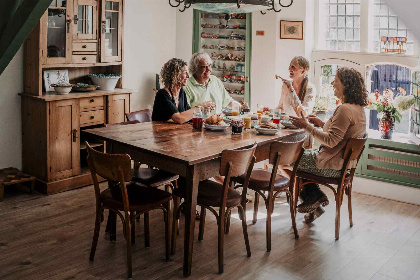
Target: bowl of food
[
  {"x": 215, "y": 123},
  {"x": 267, "y": 129},
  {"x": 287, "y": 124},
  {"x": 105, "y": 81},
  {"x": 62, "y": 88},
  {"x": 265, "y": 118},
  {"x": 82, "y": 87}
]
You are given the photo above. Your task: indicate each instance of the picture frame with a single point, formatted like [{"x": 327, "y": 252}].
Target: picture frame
[
  {"x": 54, "y": 77},
  {"x": 291, "y": 30}
]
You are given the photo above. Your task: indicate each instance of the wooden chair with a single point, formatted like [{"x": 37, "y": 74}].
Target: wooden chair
[
  {"x": 147, "y": 177},
  {"x": 127, "y": 201},
  {"x": 212, "y": 194},
  {"x": 141, "y": 116},
  {"x": 269, "y": 184},
  {"x": 353, "y": 151}
]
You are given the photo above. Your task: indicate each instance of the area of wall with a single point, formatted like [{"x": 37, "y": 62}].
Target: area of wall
[
  {"x": 149, "y": 41},
  {"x": 11, "y": 83}
]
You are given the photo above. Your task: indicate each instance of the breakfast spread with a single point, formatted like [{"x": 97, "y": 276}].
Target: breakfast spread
[{"x": 215, "y": 120}]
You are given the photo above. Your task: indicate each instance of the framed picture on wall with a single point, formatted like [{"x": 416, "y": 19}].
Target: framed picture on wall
[{"x": 291, "y": 30}]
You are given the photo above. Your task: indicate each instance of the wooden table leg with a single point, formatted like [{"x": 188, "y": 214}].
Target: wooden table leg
[{"x": 190, "y": 203}]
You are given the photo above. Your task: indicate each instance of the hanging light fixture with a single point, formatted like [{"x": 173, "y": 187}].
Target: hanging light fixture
[{"x": 230, "y": 6}]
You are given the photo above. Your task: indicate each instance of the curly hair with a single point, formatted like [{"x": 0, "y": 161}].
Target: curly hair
[
  {"x": 169, "y": 75},
  {"x": 195, "y": 60},
  {"x": 354, "y": 86},
  {"x": 304, "y": 64}
]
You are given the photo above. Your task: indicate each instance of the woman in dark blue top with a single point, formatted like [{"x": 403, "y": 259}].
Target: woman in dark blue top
[{"x": 171, "y": 102}]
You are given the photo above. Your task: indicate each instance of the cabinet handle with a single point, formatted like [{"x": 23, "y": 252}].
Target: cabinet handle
[
  {"x": 92, "y": 100},
  {"x": 74, "y": 135},
  {"x": 84, "y": 58},
  {"x": 76, "y": 19},
  {"x": 103, "y": 26},
  {"x": 92, "y": 117},
  {"x": 68, "y": 25},
  {"x": 84, "y": 46}
]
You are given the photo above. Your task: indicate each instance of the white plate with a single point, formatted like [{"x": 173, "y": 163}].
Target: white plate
[
  {"x": 213, "y": 127},
  {"x": 287, "y": 124},
  {"x": 266, "y": 131}
]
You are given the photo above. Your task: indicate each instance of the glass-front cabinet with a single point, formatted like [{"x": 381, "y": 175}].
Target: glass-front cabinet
[
  {"x": 85, "y": 19},
  {"x": 227, "y": 39},
  {"x": 111, "y": 24},
  {"x": 57, "y": 38}
]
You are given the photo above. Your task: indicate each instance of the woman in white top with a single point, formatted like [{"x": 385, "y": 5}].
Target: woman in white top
[{"x": 297, "y": 96}]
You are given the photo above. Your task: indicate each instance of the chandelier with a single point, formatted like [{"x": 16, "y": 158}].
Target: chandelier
[{"x": 229, "y": 6}]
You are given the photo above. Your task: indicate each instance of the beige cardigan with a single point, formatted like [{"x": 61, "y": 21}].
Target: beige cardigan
[{"x": 348, "y": 121}]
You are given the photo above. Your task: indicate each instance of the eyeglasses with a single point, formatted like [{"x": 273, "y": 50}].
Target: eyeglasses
[{"x": 208, "y": 66}]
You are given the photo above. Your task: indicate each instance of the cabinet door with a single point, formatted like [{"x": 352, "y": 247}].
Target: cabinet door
[
  {"x": 64, "y": 138},
  {"x": 111, "y": 30},
  {"x": 56, "y": 33},
  {"x": 118, "y": 106},
  {"x": 85, "y": 19}
]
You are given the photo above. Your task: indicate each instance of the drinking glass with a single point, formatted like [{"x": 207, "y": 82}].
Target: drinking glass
[
  {"x": 235, "y": 109},
  {"x": 197, "y": 119}
]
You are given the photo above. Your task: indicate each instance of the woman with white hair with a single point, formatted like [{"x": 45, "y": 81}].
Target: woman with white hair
[{"x": 202, "y": 86}]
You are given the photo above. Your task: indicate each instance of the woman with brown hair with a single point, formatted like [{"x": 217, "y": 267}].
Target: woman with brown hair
[
  {"x": 298, "y": 95},
  {"x": 348, "y": 121}
]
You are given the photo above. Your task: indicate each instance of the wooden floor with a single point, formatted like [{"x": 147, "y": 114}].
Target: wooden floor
[{"x": 49, "y": 237}]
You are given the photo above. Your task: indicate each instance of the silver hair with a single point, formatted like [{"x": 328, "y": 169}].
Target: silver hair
[{"x": 195, "y": 60}]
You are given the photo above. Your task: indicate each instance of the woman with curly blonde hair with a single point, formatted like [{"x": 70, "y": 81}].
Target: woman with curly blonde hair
[
  {"x": 348, "y": 121},
  {"x": 171, "y": 102}
]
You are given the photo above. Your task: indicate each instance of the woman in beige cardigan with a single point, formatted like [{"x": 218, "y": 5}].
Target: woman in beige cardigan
[{"x": 348, "y": 121}]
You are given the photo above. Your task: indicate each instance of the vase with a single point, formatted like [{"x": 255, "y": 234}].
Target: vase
[
  {"x": 386, "y": 126},
  {"x": 236, "y": 129}
]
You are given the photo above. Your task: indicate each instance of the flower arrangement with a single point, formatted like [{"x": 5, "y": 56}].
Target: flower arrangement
[
  {"x": 237, "y": 126},
  {"x": 389, "y": 107}
]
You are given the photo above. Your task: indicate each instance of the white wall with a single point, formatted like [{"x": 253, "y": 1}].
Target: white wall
[
  {"x": 149, "y": 41},
  {"x": 11, "y": 83}
]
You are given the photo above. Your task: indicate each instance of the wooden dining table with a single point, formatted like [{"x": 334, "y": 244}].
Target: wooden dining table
[{"x": 193, "y": 154}]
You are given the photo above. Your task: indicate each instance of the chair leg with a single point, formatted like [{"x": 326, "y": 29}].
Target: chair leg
[
  {"x": 293, "y": 214},
  {"x": 338, "y": 197},
  {"x": 227, "y": 226},
  {"x": 221, "y": 236},
  {"x": 146, "y": 230},
  {"x": 175, "y": 224},
  {"x": 268, "y": 221},
  {"x": 256, "y": 202},
  {"x": 133, "y": 228},
  {"x": 167, "y": 219},
  {"x": 349, "y": 205},
  {"x": 242, "y": 215},
  {"x": 99, "y": 213},
  {"x": 202, "y": 223},
  {"x": 129, "y": 251}
]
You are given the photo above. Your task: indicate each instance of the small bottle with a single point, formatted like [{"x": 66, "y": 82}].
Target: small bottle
[{"x": 197, "y": 118}]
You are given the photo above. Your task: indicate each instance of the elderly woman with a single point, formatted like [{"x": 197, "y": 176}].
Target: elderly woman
[
  {"x": 348, "y": 121},
  {"x": 171, "y": 102},
  {"x": 298, "y": 95},
  {"x": 202, "y": 86}
]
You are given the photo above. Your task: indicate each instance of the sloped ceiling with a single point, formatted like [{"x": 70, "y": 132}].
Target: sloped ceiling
[{"x": 409, "y": 12}]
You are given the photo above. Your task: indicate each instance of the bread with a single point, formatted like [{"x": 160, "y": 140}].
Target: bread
[
  {"x": 214, "y": 120},
  {"x": 268, "y": 126}
]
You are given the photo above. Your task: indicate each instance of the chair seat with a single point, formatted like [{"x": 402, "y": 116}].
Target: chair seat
[
  {"x": 141, "y": 198},
  {"x": 320, "y": 179},
  {"x": 209, "y": 194},
  {"x": 153, "y": 177},
  {"x": 260, "y": 181}
]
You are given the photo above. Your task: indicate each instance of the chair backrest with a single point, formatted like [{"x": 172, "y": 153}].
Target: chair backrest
[
  {"x": 109, "y": 166},
  {"x": 289, "y": 151},
  {"x": 141, "y": 116},
  {"x": 239, "y": 159},
  {"x": 121, "y": 123},
  {"x": 354, "y": 148}
]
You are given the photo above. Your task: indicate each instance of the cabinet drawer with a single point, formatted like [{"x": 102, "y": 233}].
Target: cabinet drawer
[
  {"x": 92, "y": 117},
  {"x": 84, "y": 58},
  {"x": 92, "y": 103},
  {"x": 84, "y": 47}
]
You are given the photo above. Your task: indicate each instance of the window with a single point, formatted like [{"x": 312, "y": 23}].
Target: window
[
  {"x": 387, "y": 24},
  {"x": 325, "y": 100},
  {"x": 342, "y": 22}
]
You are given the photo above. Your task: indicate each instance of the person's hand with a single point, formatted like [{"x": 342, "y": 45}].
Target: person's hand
[
  {"x": 244, "y": 105},
  {"x": 301, "y": 122},
  {"x": 288, "y": 84},
  {"x": 208, "y": 104},
  {"x": 315, "y": 121}
]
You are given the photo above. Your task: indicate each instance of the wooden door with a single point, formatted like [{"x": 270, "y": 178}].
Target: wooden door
[
  {"x": 85, "y": 19},
  {"x": 64, "y": 143},
  {"x": 118, "y": 106},
  {"x": 56, "y": 33},
  {"x": 111, "y": 30}
]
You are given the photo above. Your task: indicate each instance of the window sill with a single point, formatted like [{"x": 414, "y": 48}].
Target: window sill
[
  {"x": 366, "y": 53},
  {"x": 396, "y": 137}
]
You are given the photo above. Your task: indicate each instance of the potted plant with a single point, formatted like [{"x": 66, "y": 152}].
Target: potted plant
[{"x": 389, "y": 108}]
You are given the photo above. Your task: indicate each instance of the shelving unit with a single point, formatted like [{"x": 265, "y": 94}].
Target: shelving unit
[{"x": 228, "y": 43}]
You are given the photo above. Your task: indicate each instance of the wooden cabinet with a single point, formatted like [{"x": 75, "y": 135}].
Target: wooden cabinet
[
  {"x": 64, "y": 138},
  {"x": 78, "y": 38}
]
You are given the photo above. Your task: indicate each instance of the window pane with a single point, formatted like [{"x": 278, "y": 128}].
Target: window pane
[
  {"x": 341, "y": 9},
  {"x": 341, "y": 34},
  {"x": 333, "y": 34},
  {"x": 349, "y": 22},
  {"x": 357, "y": 22},
  {"x": 349, "y": 46},
  {"x": 341, "y": 46},
  {"x": 392, "y": 33},
  {"x": 402, "y": 33},
  {"x": 356, "y": 34},
  {"x": 349, "y": 10},
  {"x": 333, "y": 9},
  {"x": 333, "y": 21},
  {"x": 341, "y": 22},
  {"x": 383, "y": 22},
  {"x": 357, "y": 9},
  {"x": 393, "y": 22},
  {"x": 349, "y": 34},
  {"x": 384, "y": 10}
]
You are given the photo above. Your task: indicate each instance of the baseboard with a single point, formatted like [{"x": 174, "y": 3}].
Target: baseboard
[{"x": 387, "y": 190}]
